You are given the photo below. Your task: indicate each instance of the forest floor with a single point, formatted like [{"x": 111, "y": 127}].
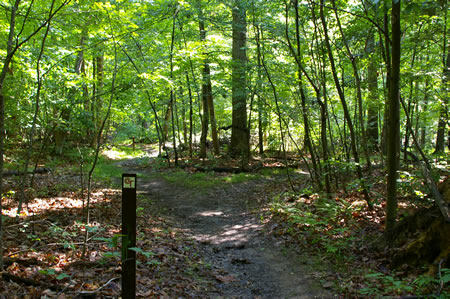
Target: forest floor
[
  {"x": 201, "y": 233},
  {"x": 225, "y": 220},
  {"x": 199, "y": 236}
]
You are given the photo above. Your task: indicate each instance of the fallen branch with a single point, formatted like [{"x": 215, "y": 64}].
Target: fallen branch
[
  {"x": 439, "y": 200},
  {"x": 93, "y": 294}
]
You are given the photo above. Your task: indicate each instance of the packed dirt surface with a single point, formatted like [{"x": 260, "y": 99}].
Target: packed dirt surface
[{"x": 246, "y": 260}]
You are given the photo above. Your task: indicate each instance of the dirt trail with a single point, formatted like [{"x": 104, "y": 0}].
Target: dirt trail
[{"x": 248, "y": 262}]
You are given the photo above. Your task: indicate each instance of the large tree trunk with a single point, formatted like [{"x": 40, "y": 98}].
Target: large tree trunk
[
  {"x": 393, "y": 128},
  {"x": 239, "y": 135}
]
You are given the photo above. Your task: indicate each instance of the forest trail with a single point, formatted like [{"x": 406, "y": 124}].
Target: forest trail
[{"x": 245, "y": 259}]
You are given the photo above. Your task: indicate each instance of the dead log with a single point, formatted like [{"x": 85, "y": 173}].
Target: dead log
[
  {"x": 237, "y": 170},
  {"x": 7, "y": 261},
  {"x": 39, "y": 170}
]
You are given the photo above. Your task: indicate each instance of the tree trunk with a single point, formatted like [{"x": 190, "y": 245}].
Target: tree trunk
[
  {"x": 260, "y": 101},
  {"x": 344, "y": 106},
  {"x": 36, "y": 112},
  {"x": 191, "y": 113},
  {"x": 172, "y": 93},
  {"x": 358, "y": 86},
  {"x": 239, "y": 146},
  {"x": 205, "y": 89},
  {"x": 97, "y": 103},
  {"x": 315, "y": 174},
  {"x": 212, "y": 118},
  {"x": 372, "y": 83},
  {"x": 423, "y": 127},
  {"x": 387, "y": 60},
  {"x": 98, "y": 145},
  {"x": 280, "y": 123},
  {"x": 393, "y": 123},
  {"x": 183, "y": 117},
  {"x": 165, "y": 127},
  {"x": 208, "y": 95},
  {"x": 443, "y": 115}
]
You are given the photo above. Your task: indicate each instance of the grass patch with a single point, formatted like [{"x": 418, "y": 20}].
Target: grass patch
[
  {"x": 122, "y": 152},
  {"x": 240, "y": 177},
  {"x": 106, "y": 170},
  {"x": 206, "y": 179}
]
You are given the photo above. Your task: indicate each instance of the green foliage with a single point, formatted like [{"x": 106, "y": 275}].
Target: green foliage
[
  {"x": 423, "y": 285},
  {"x": 315, "y": 222}
]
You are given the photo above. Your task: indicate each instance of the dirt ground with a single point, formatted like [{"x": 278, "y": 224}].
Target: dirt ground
[{"x": 247, "y": 261}]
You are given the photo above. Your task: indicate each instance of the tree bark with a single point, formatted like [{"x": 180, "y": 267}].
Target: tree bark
[
  {"x": 423, "y": 127},
  {"x": 393, "y": 127},
  {"x": 205, "y": 89},
  {"x": 239, "y": 146},
  {"x": 172, "y": 93},
  {"x": 443, "y": 124},
  {"x": 191, "y": 113}
]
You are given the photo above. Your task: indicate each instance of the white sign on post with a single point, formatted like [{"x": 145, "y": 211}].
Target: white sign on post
[{"x": 129, "y": 183}]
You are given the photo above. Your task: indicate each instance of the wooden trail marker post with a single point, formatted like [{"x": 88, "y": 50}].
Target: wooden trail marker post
[{"x": 129, "y": 235}]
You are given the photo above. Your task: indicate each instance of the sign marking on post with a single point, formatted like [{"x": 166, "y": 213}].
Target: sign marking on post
[{"x": 129, "y": 182}]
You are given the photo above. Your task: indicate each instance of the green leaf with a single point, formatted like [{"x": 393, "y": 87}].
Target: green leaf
[{"x": 62, "y": 276}]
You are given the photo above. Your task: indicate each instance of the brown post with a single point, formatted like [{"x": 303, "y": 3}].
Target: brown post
[{"x": 128, "y": 236}]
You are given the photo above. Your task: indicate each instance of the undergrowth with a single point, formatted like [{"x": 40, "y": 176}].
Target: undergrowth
[{"x": 344, "y": 232}]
